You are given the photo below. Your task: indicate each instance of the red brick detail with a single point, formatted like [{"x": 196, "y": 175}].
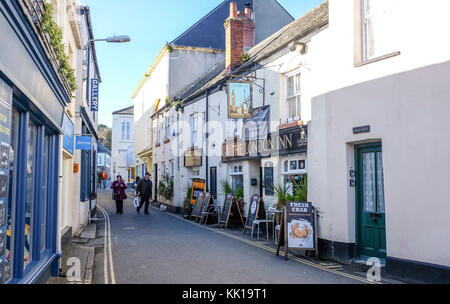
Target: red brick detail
[{"x": 234, "y": 38}]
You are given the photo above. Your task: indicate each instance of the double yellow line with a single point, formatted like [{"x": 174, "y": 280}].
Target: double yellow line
[
  {"x": 273, "y": 250},
  {"x": 107, "y": 249}
]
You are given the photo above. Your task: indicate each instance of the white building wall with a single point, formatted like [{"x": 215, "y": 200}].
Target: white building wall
[
  {"x": 405, "y": 101},
  {"x": 120, "y": 146}
]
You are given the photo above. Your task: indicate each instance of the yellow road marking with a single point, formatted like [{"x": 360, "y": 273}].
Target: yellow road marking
[{"x": 273, "y": 250}]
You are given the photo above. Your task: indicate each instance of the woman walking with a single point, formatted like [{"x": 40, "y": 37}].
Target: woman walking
[{"x": 119, "y": 195}]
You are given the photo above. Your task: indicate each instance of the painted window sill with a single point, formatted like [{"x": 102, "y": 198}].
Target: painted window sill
[{"x": 369, "y": 61}]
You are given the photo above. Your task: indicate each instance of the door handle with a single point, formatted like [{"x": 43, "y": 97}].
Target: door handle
[{"x": 375, "y": 216}]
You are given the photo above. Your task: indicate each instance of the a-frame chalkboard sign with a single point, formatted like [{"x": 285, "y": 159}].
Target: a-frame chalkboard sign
[
  {"x": 227, "y": 208},
  {"x": 198, "y": 206},
  {"x": 298, "y": 228},
  {"x": 207, "y": 201},
  {"x": 256, "y": 211}
]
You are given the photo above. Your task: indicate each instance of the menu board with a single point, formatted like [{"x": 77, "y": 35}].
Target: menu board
[
  {"x": 198, "y": 205},
  {"x": 298, "y": 228},
  {"x": 300, "y": 225},
  {"x": 198, "y": 186},
  {"x": 226, "y": 208},
  {"x": 230, "y": 211},
  {"x": 5, "y": 140},
  {"x": 255, "y": 211}
]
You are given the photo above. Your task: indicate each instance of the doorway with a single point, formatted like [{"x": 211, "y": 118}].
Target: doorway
[{"x": 370, "y": 203}]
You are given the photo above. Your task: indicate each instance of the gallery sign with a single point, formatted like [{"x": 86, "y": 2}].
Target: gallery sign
[
  {"x": 94, "y": 94},
  {"x": 240, "y": 99}
]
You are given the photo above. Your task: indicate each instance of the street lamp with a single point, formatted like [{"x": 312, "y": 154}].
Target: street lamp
[{"x": 113, "y": 39}]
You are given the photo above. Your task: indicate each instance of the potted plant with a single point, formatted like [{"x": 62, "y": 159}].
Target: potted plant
[
  {"x": 187, "y": 207},
  {"x": 225, "y": 187},
  {"x": 301, "y": 190},
  {"x": 282, "y": 194}
]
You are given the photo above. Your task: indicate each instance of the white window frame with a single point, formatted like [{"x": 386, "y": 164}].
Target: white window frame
[
  {"x": 167, "y": 127},
  {"x": 123, "y": 130},
  {"x": 297, "y": 95},
  {"x": 365, "y": 36},
  {"x": 128, "y": 128},
  {"x": 194, "y": 129}
]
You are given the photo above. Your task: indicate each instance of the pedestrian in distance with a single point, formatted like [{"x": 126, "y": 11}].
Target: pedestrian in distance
[
  {"x": 134, "y": 185},
  {"x": 119, "y": 194},
  {"x": 99, "y": 179},
  {"x": 105, "y": 177},
  {"x": 144, "y": 190}
]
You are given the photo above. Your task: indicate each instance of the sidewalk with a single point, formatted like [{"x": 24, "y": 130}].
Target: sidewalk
[{"x": 81, "y": 252}]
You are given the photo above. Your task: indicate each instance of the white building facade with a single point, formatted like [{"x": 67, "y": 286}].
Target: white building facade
[
  {"x": 378, "y": 164},
  {"x": 122, "y": 154}
]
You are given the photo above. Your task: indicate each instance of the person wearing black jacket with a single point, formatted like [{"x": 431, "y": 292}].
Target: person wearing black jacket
[{"x": 144, "y": 190}]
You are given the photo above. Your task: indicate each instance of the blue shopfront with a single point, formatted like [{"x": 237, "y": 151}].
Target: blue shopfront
[{"x": 32, "y": 101}]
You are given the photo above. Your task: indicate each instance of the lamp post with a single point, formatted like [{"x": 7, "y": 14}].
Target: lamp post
[{"x": 113, "y": 39}]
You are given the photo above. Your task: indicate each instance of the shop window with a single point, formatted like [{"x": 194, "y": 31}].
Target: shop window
[
  {"x": 11, "y": 194},
  {"x": 32, "y": 136},
  {"x": 237, "y": 181},
  {"x": 44, "y": 192}
]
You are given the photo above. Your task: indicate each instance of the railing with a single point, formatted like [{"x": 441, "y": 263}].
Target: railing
[{"x": 35, "y": 8}]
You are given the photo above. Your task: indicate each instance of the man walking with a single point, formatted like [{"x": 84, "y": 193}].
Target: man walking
[{"x": 144, "y": 190}]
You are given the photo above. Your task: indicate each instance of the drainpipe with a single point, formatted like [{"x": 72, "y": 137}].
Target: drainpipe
[{"x": 207, "y": 141}]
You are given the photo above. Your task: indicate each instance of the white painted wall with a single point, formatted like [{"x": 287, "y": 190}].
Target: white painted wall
[
  {"x": 120, "y": 146},
  {"x": 405, "y": 101}
]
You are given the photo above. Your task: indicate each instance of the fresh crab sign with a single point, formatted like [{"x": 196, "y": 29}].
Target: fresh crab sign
[{"x": 299, "y": 228}]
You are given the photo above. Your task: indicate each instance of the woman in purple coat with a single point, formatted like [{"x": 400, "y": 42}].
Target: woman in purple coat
[{"x": 119, "y": 195}]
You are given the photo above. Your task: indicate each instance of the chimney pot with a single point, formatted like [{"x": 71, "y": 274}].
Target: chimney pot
[
  {"x": 248, "y": 12},
  {"x": 233, "y": 10}
]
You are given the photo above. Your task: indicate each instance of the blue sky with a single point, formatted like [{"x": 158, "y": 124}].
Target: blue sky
[{"x": 150, "y": 24}]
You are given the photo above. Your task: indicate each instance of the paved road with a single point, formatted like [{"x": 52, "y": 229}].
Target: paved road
[{"x": 164, "y": 249}]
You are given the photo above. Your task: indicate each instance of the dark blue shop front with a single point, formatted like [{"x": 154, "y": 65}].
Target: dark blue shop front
[{"x": 32, "y": 102}]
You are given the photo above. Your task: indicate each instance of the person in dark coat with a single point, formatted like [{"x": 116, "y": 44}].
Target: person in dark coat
[
  {"x": 144, "y": 190},
  {"x": 119, "y": 195}
]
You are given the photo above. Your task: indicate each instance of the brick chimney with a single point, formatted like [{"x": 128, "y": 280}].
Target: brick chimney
[
  {"x": 234, "y": 39},
  {"x": 249, "y": 29}
]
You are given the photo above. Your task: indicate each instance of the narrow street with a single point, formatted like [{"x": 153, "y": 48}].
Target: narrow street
[{"x": 163, "y": 248}]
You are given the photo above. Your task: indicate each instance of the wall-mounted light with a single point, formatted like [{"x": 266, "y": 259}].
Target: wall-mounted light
[{"x": 297, "y": 46}]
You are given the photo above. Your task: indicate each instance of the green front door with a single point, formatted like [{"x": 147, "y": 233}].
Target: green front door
[{"x": 371, "y": 224}]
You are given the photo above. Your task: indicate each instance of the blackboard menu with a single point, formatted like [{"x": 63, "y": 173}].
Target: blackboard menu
[
  {"x": 226, "y": 208},
  {"x": 206, "y": 202},
  {"x": 252, "y": 211},
  {"x": 300, "y": 225},
  {"x": 198, "y": 205},
  {"x": 5, "y": 140}
]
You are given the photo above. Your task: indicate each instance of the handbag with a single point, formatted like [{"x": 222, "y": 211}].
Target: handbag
[{"x": 136, "y": 202}]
